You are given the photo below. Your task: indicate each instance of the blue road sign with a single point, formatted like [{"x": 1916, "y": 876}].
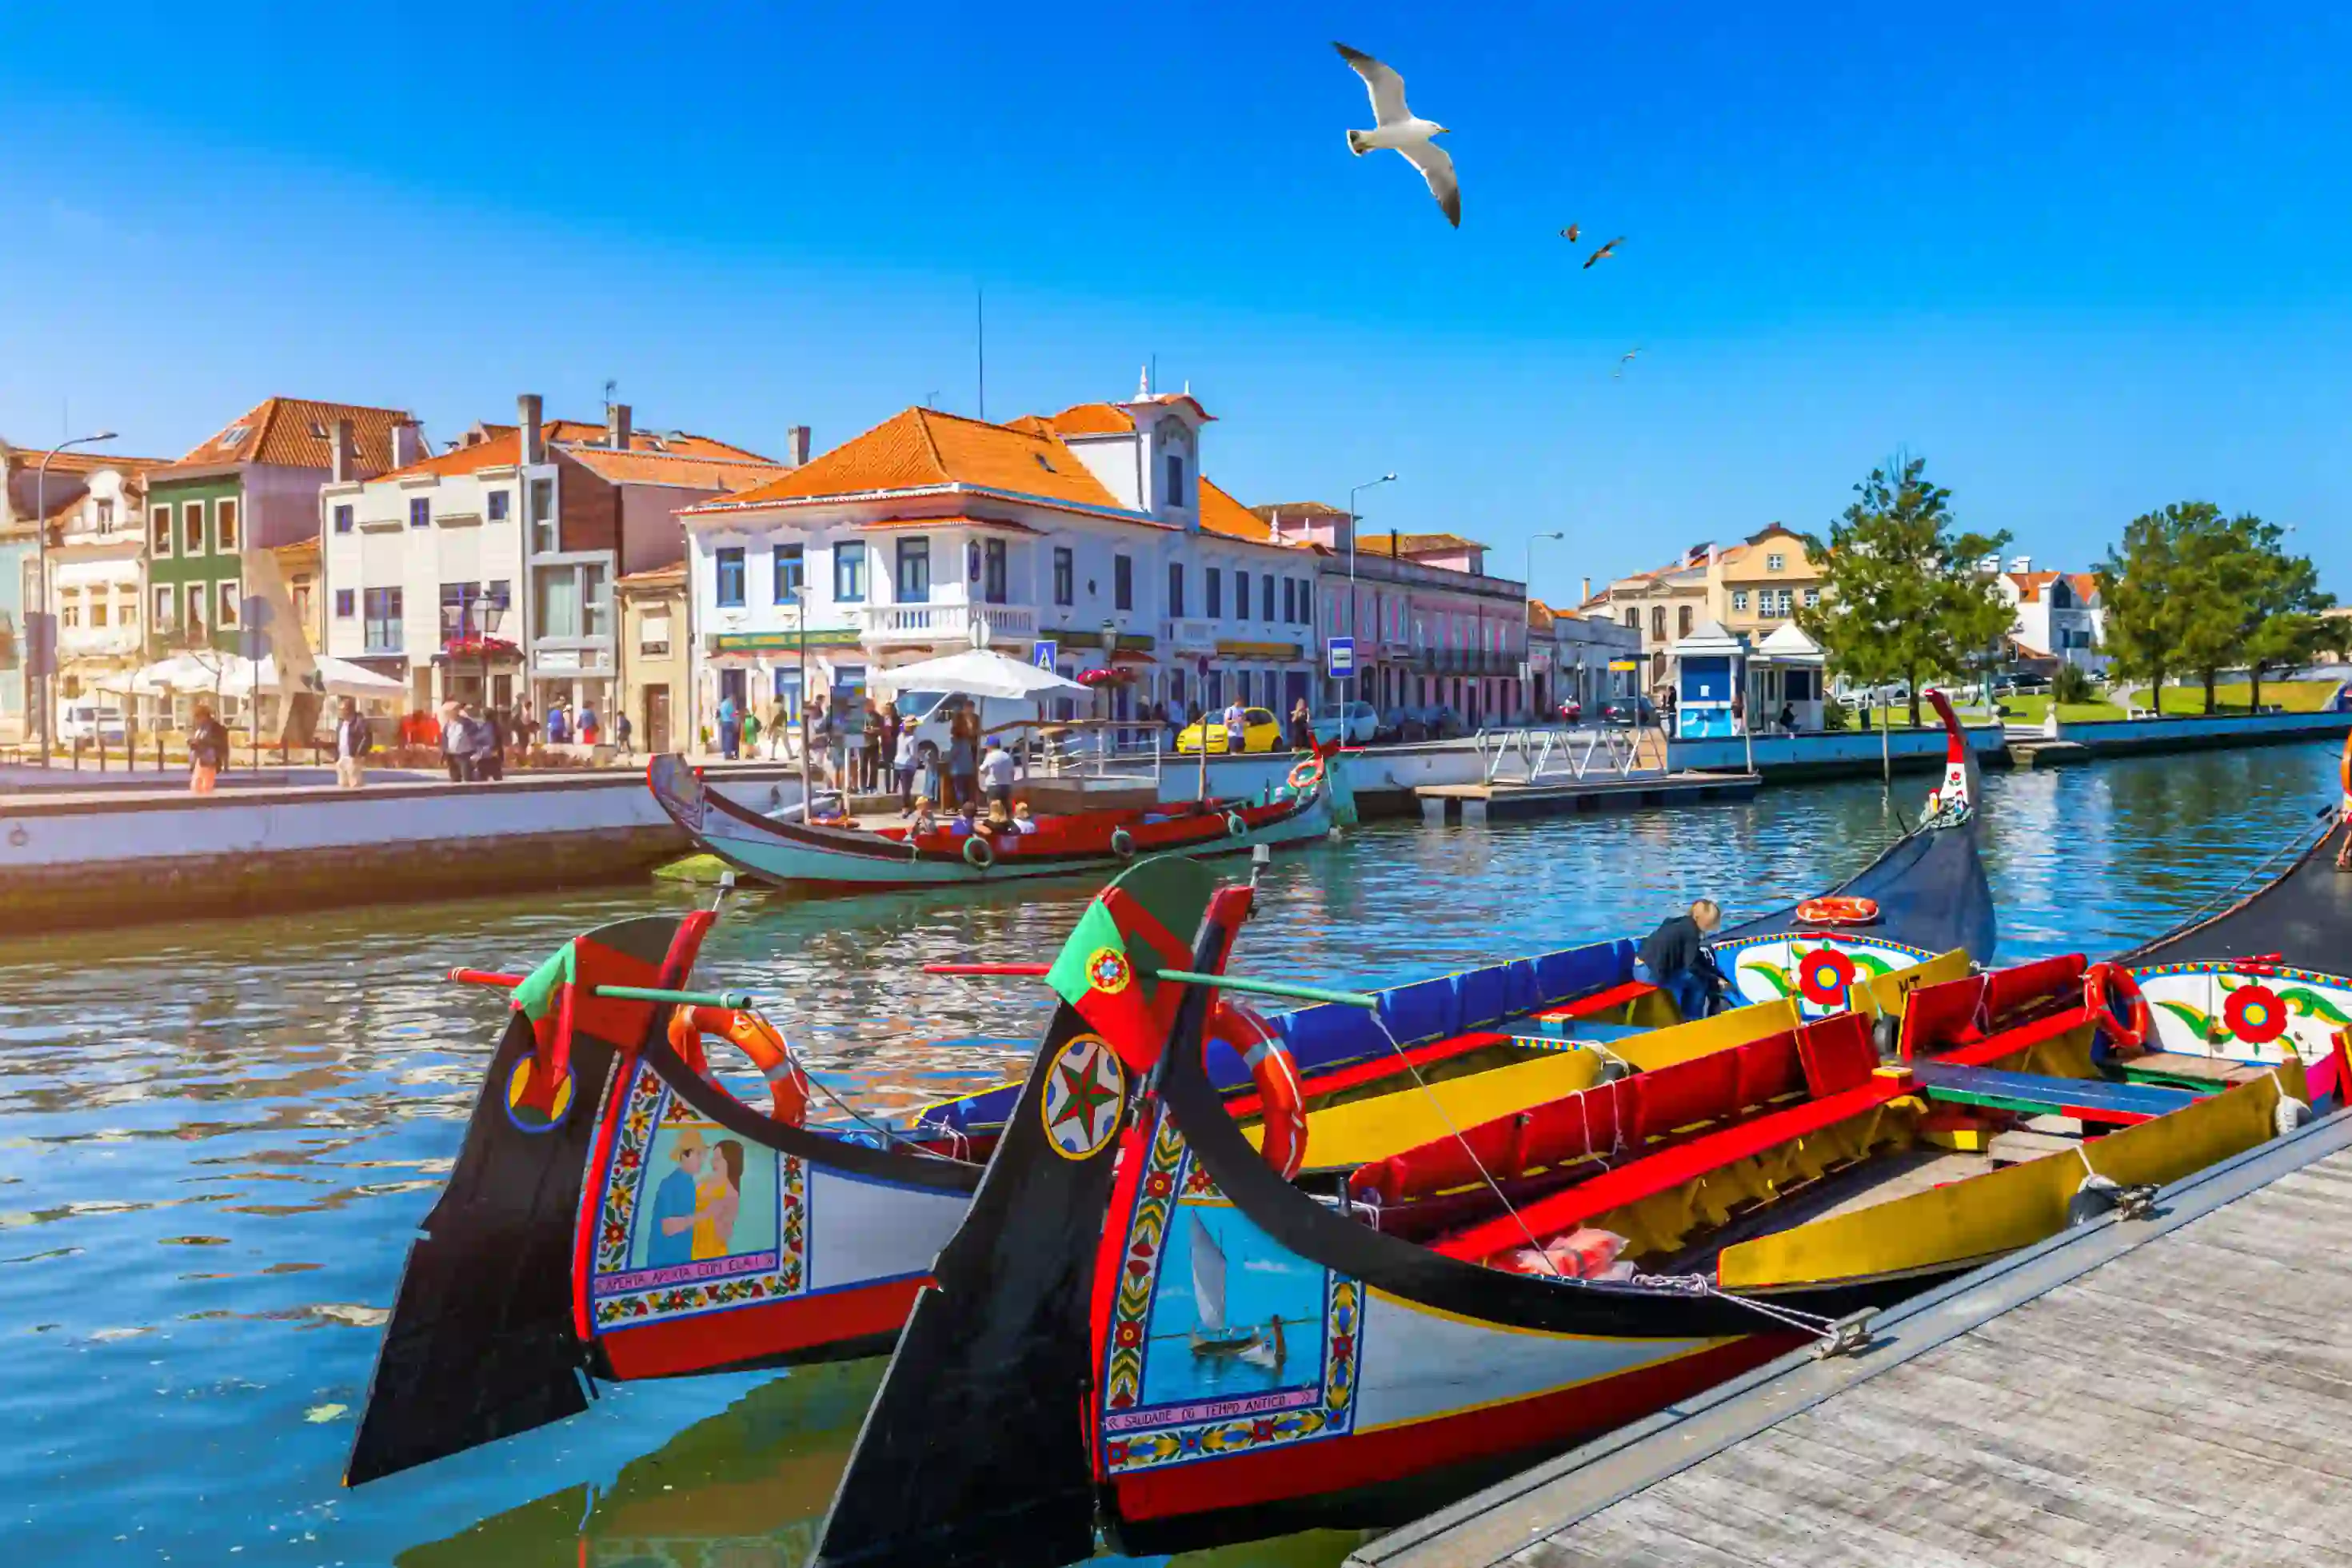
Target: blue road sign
[
  {"x": 1048, "y": 653},
  {"x": 1340, "y": 657}
]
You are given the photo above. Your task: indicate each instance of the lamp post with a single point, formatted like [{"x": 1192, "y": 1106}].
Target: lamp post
[
  {"x": 41, "y": 574},
  {"x": 1110, "y": 698},
  {"x": 800, "y": 719},
  {"x": 1353, "y": 662},
  {"x": 1528, "y": 613}
]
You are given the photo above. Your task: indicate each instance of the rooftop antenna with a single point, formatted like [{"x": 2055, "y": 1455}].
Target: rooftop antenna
[
  {"x": 611, "y": 386},
  {"x": 1154, "y": 383},
  {"x": 980, "y": 313}
]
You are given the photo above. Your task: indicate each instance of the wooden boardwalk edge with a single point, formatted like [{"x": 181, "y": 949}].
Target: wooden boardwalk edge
[{"x": 1509, "y": 1517}]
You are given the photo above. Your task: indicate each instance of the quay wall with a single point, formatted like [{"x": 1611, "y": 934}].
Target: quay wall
[
  {"x": 1849, "y": 753},
  {"x": 2144, "y": 737}
]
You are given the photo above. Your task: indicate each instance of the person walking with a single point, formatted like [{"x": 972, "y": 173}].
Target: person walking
[
  {"x": 852, "y": 721},
  {"x": 1302, "y": 726},
  {"x": 902, "y": 766},
  {"x": 354, "y": 741},
  {"x": 558, "y": 724},
  {"x": 588, "y": 722},
  {"x": 871, "y": 757},
  {"x": 996, "y": 776},
  {"x": 817, "y": 739},
  {"x": 453, "y": 715},
  {"x": 1236, "y": 727},
  {"x": 749, "y": 740},
  {"x": 208, "y": 745},
  {"x": 1676, "y": 959},
  {"x": 526, "y": 730},
  {"x": 885, "y": 756},
  {"x": 485, "y": 750},
  {"x": 621, "y": 731},
  {"x": 727, "y": 722}
]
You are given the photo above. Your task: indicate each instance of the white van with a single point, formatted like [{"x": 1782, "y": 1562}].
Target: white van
[
  {"x": 926, "y": 712},
  {"x": 91, "y": 721}
]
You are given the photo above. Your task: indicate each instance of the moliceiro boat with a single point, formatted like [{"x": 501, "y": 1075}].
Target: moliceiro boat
[
  {"x": 790, "y": 852},
  {"x": 1156, "y": 1334}
]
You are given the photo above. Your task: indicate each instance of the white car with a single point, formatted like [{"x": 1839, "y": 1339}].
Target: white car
[
  {"x": 1353, "y": 724},
  {"x": 92, "y": 721},
  {"x": 926, "y": 712}
]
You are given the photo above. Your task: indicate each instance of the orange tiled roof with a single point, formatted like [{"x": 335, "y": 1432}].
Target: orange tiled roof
[
  {"x": 654, "y": 576},
  {"x": 2029, "y": 584},
  {"x": 298, "y": 432},
  {"x": 922, "y": 448},
  {"x": 640, "y": 467},
  {"x": 2086, "y": 583},
  {"x": 1413, "y": 544},
  {"x": 677, "y": 443},
  {"x": 1220, "y": 514},
  {"x": 1091, "y": 419},
  {"x": 79, "y": 461},
  {"x": 1299, "y": 509},
  {"x": 501, "y": 451}
]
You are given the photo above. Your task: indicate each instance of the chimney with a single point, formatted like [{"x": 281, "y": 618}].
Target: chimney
[
  {"x": 1394, "y": 546},
  {"x": 1587, "y": 597},
  {"x": 407, "y": 443},
  {"x": 796, "y": 446},
  {"x": 528, "y": 409},
  {"x": 616, "y": 426},
  {"x": 344, "y": 464}
]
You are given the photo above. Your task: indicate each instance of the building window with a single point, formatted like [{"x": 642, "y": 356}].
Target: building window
[
  {"x": 850, "y": 573},
  {"x": 344, "y": 603},
  {"x": 1266, "y": 599},
  {"x": 789, "y": 572},
  {"x": 229, "y": 604},
  {"x": 1241, "y": 595},
  {"x": 225, "y": 525},
  {"x": 992, "y": 571},
  {"x": 106, "y": 517},
  {"x": 342, "y": 519},
  {"x": 500, "y": 592},
  {"x": 96, "y": 608},
  {"x": 1633, "y": 621},
  {"x": 1065, "y": 576},
  {"x": 68, "y": 610},
  {"x": 495, "y": 506},
  {"x": 653, "y": 635},
  {"x": 461, "y": 614},
  {"x": 1775, "y": 562},
  {"x": 1739, "y": 600},
  {"x": 1657, "y": 622},
  {"x": 914, "y": 571},
  {"x": 729, "y": 576},
  {"x": 1289, "y": 601},
  {"x": 167, "y": 614},
  {"x": 1682, "y": 622},
  {"x": 1175, "y": 479},
  {"x": 1176, "y": 588},
  {"x": 597, "y": 600},
  {"x": 542, "y": 515},
  {"x": 420, "y": 511},
  {"x": 1122, "y": 582},
  {"x": 559, "y": 601},
  {"x": 159, "y": 522},
  {"x": 382, "y": 631},
  {"x": 1812, "y": 598},
  {"x": 191, "y": 528},
  {"x": 1214, "y": 597}
]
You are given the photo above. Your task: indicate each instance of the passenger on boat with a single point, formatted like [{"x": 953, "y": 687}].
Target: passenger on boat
[
  {"x": 964, "y": 822},
  {"x": 1676, "y": 959},
  {"x": 903, "y": 760},
  {"x": 1023, "y": 822},
  {"x": 925, "y": 822},
  {"x": 998, "y": 820},
  {"x": 996, "y": 773},
  {"x": 963, "y": 757}
]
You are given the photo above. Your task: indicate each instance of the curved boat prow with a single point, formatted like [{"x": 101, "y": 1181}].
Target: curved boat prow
[
  {"x": 970, "y": 1455},
  {"x": 480, "y": 1345}
]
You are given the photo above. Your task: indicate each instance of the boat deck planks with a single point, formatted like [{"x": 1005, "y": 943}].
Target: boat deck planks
[{"x": 2181, "y": 1397}]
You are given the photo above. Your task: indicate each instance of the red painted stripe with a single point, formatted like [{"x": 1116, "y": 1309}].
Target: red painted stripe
[
  {"x": 1378, "y": 1068},
  {"x": 735, "y": 1334},
  {"x": 2105, "y": 1115},
  {"x": 1338, "y": 1464},
  {"x": 1599, "y": 1002}
]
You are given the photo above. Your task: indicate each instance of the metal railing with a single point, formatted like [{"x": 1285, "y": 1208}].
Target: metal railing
[{"x": 1553, "y": 754}]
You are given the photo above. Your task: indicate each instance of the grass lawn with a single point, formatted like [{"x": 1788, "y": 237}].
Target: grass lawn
[{"x": 2294, "y": 697}]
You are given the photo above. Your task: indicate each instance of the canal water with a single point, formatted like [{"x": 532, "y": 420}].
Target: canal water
[{"x": 217, "y": 1139}]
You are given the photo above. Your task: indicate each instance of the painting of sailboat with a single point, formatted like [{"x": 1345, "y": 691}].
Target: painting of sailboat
[{"x": 1233, "y": 1313}]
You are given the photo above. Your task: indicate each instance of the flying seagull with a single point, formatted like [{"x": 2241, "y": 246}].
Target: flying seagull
[
  {"x": 1404, "y": 132},
  {"x": 1626, "y": 358},
  {"x": 1570, "y": 232},
  {"x": 1603, "y": 251}
]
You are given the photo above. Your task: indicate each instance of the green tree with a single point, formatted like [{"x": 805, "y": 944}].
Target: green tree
[
  {"x": 1902, "y": 597},
  {"x": 2286, "y": 626},
  {"x": 2192, "y": 591},
  {"x": 2136, "y": 584}
]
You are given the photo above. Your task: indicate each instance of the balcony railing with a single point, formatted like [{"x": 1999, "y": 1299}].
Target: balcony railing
[{"x": 940, "y": 623}]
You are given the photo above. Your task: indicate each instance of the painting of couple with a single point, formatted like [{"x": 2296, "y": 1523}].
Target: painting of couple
[{"x": 694, "y": 1206}]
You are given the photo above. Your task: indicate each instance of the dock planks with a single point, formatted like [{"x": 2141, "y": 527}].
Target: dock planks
[{"x": 2144, "y": 1393}]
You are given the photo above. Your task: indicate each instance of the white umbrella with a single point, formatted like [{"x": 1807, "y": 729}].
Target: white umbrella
[
  {"x": 975, "y": 672},
  {"x": 339, "y": 678},
  {"x": 180, "y": 673}
]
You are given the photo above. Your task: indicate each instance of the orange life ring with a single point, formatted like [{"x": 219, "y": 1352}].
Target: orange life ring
[
  {"x": 1311, "y": 772},
  {"x": 2344, "y": 770},
  {"x": 2111, "y": 995},
  {"x": 1838, "y": 911},
  {"x": 757, "y": 1039},
  {"x": 1281, "y": 1100}
]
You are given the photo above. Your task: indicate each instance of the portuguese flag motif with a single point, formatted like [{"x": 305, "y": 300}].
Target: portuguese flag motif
[
  {"x": 1130, "y": 930},
  {"x": 539, "y": 1091}
]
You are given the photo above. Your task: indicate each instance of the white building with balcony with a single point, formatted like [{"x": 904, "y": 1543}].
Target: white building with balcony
[
  {"x": 98, "y": 578},
  {"x": 484, "y": 573},
  {"x": 1092, "y": 529},
  {"x": 2060, "y": 617}
]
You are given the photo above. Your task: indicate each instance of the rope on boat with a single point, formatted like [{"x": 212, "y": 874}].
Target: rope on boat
[
  {"x": 1837, "y": 1331},
  {"x": 889, "y": 1138},
  {"x": 1437, "y": 1105}
]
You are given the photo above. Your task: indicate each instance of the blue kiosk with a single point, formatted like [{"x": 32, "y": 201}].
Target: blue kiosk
[{"x": 1710, "y": 667}]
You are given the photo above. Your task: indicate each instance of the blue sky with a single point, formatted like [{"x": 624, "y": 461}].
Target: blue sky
[{"x": 2086, "y": 258}]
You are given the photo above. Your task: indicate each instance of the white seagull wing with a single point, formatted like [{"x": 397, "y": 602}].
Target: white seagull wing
[
  {"x": 1438, "y": 170},
  {"x": 1387, "y": 88}
]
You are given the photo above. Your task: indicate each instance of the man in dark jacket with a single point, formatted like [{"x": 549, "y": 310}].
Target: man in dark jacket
[{"x": 1676, "y": 959}]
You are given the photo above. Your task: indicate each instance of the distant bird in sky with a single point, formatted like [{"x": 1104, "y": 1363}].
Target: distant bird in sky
[
  {"x": 1625, "y": 360},
  {"x": 1570, "y": 232},
  {"x": 1402, "y": 131},
  {"x": 1603, "y": 251}
]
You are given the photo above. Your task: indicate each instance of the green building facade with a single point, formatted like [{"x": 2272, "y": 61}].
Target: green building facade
[{"x": 197, "y": 535}]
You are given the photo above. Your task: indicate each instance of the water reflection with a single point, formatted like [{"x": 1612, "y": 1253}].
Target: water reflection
[{"x": 218, "y": 1138}]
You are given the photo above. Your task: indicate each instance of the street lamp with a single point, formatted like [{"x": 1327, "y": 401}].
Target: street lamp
[
  {"x": 41, "y": 575},
  {"x": 1528, "y": 613},
  {"x": 1352, "y": 636}
]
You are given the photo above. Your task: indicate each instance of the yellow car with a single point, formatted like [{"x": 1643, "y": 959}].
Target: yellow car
[{"x": 1259, "y": 733}]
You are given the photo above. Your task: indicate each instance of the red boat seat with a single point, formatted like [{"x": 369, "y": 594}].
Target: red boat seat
[
  {"x": 1837, "y": 1054},
  {"x": 1940, "y": 1014},
  {"x": 1602, "y": 1002},
  {"x": 2011, "y": 992},
  {"x": 1961, "y": 1011},
  {"x": 1665, "y": 1170}
]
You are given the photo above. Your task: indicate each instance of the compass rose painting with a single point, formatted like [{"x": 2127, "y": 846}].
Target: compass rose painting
[{"x": 1084, "y": 1090}]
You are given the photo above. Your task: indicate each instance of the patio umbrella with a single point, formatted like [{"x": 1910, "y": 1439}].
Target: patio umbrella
[
  {"x": 975, "y": 672},
  {"x": 338, "y": 677}
]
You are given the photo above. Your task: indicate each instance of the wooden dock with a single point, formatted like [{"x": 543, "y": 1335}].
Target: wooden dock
[
  {"x": 2173, "y": 1389},
  {"x": 1501, "y": 800}
]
